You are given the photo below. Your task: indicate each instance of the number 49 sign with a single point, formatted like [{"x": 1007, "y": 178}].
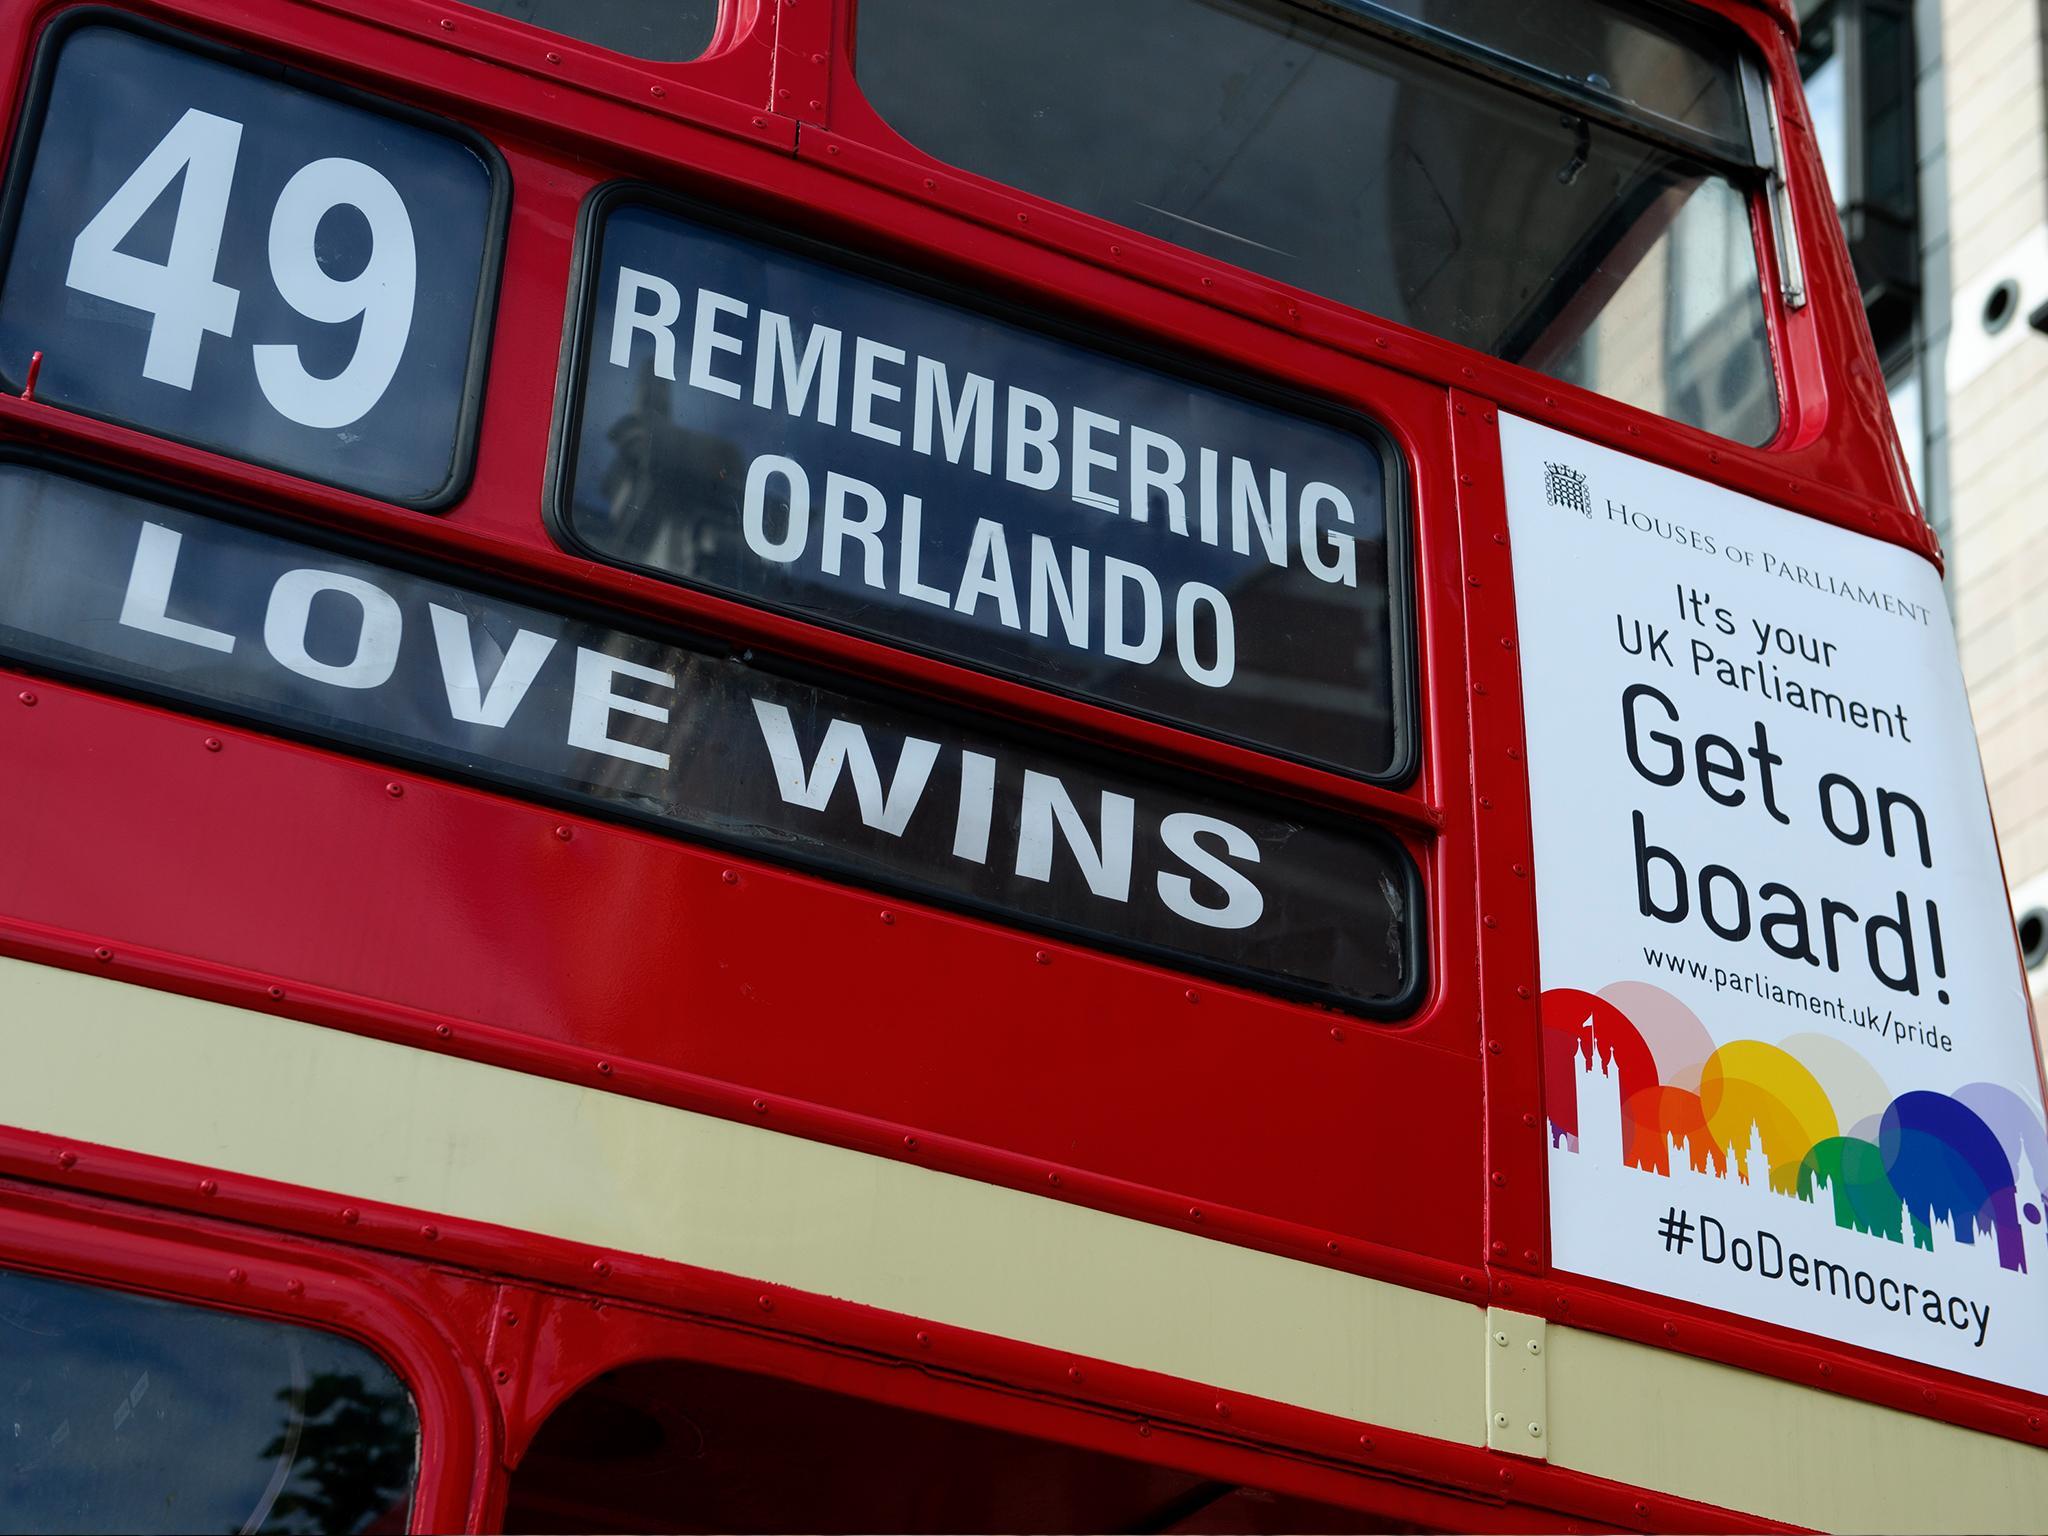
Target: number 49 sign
[{"x": 251, "y": 262}]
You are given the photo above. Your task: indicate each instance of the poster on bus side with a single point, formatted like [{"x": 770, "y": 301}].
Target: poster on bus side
[{"x": 1789, "y": 1071}]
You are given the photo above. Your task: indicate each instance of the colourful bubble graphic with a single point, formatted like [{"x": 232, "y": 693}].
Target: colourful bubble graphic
[{"x": 1630, "y": 1074}]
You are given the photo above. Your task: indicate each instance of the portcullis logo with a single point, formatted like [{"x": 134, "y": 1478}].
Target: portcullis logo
[{"x": 1565, "y": 487}]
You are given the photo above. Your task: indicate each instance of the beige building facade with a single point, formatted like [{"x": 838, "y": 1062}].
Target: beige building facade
[{"x": 1953, "y": 254}]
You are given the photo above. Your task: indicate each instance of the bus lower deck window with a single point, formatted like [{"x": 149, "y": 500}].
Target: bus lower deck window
[
  {"x": 1587, "y": 217},
  {"x": 131, "y": 1413}
]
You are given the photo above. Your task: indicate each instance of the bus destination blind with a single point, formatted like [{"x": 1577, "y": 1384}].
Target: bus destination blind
[
  {"x": 178, "y": 604},
  {"x": 784, "y": 429},
  {"x": 249, "y": 264}
]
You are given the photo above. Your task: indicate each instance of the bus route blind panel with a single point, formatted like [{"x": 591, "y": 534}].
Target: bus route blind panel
[
  {"x": 217, "y": 250},
  {"x": 118, "y": 583},
  {"x": 778, "y": 421}
]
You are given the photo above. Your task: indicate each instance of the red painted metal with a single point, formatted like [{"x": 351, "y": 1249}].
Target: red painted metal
[{"x": 178, "y": 853}]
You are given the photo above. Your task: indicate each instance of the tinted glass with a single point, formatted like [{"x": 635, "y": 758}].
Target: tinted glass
[
  {"x": 1656, "y": 64},
  {"x": 1293, "y": 143},
  {"x": 826, "y": 441},
  {"x": 174, "y": 602},
  {"x": 219, "y": 256},
  {"x": 126, "y": 1413},
  {"x": 647, "y": 29}
]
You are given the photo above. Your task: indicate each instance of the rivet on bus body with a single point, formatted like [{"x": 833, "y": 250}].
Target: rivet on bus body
[
  {"x": 295, "y": 1287},
  {"x": 730, "y": 877},
  {"x": 1493, "y": 1047},
  {"x": 1529, "y": 1258},
  {"x": 212, "y": 743},
  {"x": 1564, "y": 1303},
  {"x": 1116, "y": 250},
  {"x": 1223, "y": 1410},
  {"x": 277, "y": 994},
  {"x": 1332, "y": 1246},
  {"x": 1073, "y": 1373},
  {"x": 1492, "y": 922},
  {"x": 831, "y": 149},
  {"x": 910, "y": 1143},
  {"x": 237, "y": 1275},
  {"x": 555, "y": 58},
  {"x": 1534, "y": 1346},
  {"x": 1461, "y": 408},
  {"x": 103, "y": 954},
  {"x": 659, "y": 91},
  {"x": 1337, "y": 1035},
  {"x": 817, "y": 106},
  {"x": 1529, "y": 1118},
  {"x": 765, "y": 1302},
  {"x": 2033, "y": 1421},
  {"x": 1507, "y": 642},
  {"x": 1500, "y": 1251},
  {"x": 1635, "y": 431},
  {"x": 1365, "y": 1442},
  {"x": 1464, "y": 479},
  {"x": 1489, "y": 417},
  {"x": 502, "y": 1375},
  {"x": 208, "y": 1187},
  {"x": 1550, "y": 399},
  {"x": 1023, "y": 218},
  {"x": 27, "y": 698},
  {"x": 1713, "y": 455},
  {"x": 1144, "y": 1428},
  {"x": 1468, "y": 373},
  {"x": 431, "y": 1233},
  {"x": 1486, "y": 802},
  {"x": 924, "y": 1340},
  {"x": 1501, "y": 1419},
  {"x": 1193, "y": 996},
  {"x": 888, "y": 919},
  {"x": 1500, "y": 538},
  {"x": 760, "y": 122},
  {"x": 930, "y": 185},
  {"x": 600, "y": 1268},
  {"x": 760, "y": 1106},
  {"x": 447, "y": 25},
  {"x": 1507, "y": 1288},
  {"x": 395, "y": 790},
  {"x": 1524, "y": 993},
  {"x": 350, "y": 1216},
  {"x": 1514, "y": 754},
  {"x": 1500, "y": 1181},
  {"x": 817, "y": 58},
  {"x": 511, "y": 1319},
  {"x": 564, "y": 833},
  {"x": 783, "y": 94},
  {"x": 1194, "y": 1213},
  {"x": 1506, "y": 1476},
  {"x": 1826, "y": 1369},
  {"x": 67, "y": 1159},
  {"x": 1471, "y": 581},
  {"x": 1053, "y": 1179},
  {"x": 1642, "y": 1508},
  {"x": 1042, "y": 957},
  {"x": 1671, "y": 1330},
  {"x": 1465, "y": 1281},
  {"x": 444, "y": 1031},
  {"x": 604, "y": 1069},
  {"x": 1521, "y": 871}
]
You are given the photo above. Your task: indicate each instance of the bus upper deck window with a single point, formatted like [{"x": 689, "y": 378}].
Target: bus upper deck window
[
  {"x": 669, "y": 30},
  {"x": 128, "y": 1413},
  {"x": 1569, "y": 193}
]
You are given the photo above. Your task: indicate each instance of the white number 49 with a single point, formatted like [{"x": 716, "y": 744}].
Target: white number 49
[{"x": 184, "y": 301}]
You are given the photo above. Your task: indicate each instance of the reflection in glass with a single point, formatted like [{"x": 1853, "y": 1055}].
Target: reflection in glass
[
  {"x": 126, "y": 1412},
  {"x": 668, "y": 30},
  {"x": 1297, "y": 145}
]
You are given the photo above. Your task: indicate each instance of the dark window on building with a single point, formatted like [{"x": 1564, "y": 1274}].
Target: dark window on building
[
  {"x": 1532, "y": 207},
  {"x": 667, "y": 30},
  {"x": 1857, "y": 60},
  {"x": 121, "y": 1412}
]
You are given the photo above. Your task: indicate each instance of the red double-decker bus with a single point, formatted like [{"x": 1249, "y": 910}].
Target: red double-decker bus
[{"x": 874, "y": 764}]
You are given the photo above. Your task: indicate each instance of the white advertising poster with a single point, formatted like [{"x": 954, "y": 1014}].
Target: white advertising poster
[{"x": 1787, "y": 1061}]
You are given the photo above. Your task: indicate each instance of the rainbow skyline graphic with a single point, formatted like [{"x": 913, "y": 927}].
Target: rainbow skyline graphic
[{"x": 1630, "y": 1072}]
